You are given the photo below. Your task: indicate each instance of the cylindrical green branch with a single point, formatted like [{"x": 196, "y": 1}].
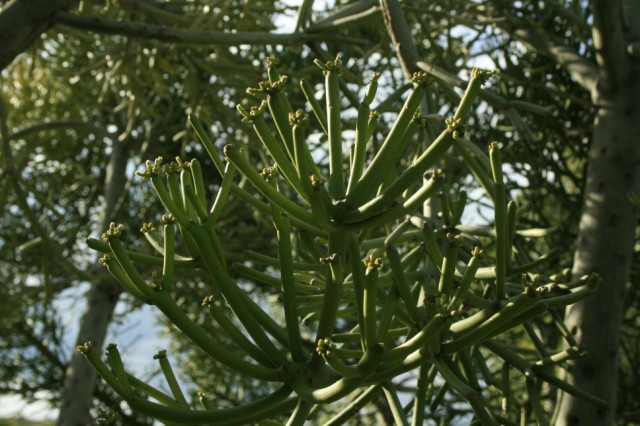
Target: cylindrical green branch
[{"x": 285, "y": 254}]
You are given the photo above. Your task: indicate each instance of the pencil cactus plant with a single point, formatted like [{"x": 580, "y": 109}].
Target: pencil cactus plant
[{"x": 370, "y": 288}]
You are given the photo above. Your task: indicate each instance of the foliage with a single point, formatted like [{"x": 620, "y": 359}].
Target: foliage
[{"x": 381, "y": 289}]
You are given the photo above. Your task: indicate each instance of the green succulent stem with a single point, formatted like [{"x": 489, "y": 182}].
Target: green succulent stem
[
  {"x": 350, "y": 410},
  {"x": 420, "y": 397},
  {"x": 169, "y": 257},
  {"x": 234, "y": 295},
  {"x": 389, "y": 153},
  {"x": 280, "y": 109},
  {"x": 129, "y": 269},
  {"x": 445, "y": 284},
  {"x": 223, "y": 193},
  {"x": 370, "y": 303},
  {"x": 283, "y": 162},
  {"x": 209, "y": 344},
  {"x": 307, "y": 90},
  {"x": 147, "y": 389},
  {"x": 168, "y": 201},
  {"x": 103, "y": 371},
  {"x": 344, "y": 386},
  {"x": 400, "y": 283},
  {"x": 121, "y": 277},
  {"x": 436, "y": 325},
  {"x": 332, "y": 290},
  {"x": 192, "y": 205},
  {"x": 478, "y": 163},
  {"x": 287, "y": 281},
  {"x": 334, "y": 121},
  {"x": 395, "y": 406},
  {"x": 236, "y": 334},
  {"x": 170, "y": 377},
  {"x": 467, "y": 278},
  {"x": 372, "y": 213},
  {"x": 360, "y": 147},
  {"x": 270, "y": 405},
  {"x": 460, "y": 385},
  {"x": 504, "y": 316},
  {"x": 503, "y": 248},
  {"x": 206, "y": 142},
  {"x": 242, "y": 164},
  {"x": 115, "y": 361},
  {"x": 358, "y": 278},
  {"x": 198, "y": 181}
]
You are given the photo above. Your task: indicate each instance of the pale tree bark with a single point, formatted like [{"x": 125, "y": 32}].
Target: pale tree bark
[
  {"x": 609, "y": 219},
  {"x": 23, "y": 21},
  {"x": 80, "y": 377}
]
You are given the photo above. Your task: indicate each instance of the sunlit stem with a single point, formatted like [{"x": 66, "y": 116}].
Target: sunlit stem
[
  {"x": 369, "y": 215},
  {"x": 307, "y": 90},
  {"x": 437, "y": 148},
  {"x": 500, "y": 221},
  {"x": 279, "y": 108},
  {"x": 448, "y": 269},
  {"x": 283, "y": 162},
  {"x": 506, "y": 388},
  {"x": 434, "y": 327},
  {"x": 223, "y": 193},
  {"x": 312, "y": 185},
  {"x": 208, "y": 144},
  {"x": 360, "y": 147},
  {"x": 198, "y": 181},
  {"x": 169, "y": 256},
  {"x": 165, "y": 197},
  {"x": 370, "y": 303},
  {"x": 129, "y": 269},
  {"x": 478, "y": 163},
  {"x": 239, "y": 160},
  {"x": 467, "y": 279},
  {"x": 336, "y": 178},
  {"x": 389, "y": 153},
  {"x": 342, "y": 387},
  {"x": 512, "y": 218},
  {"x": 190, "y": 201},
  {"x": 504, "y": 316},
  {"x": 248, "y": 413},
  {"x": 121, "y": 277},
  {"x": 388, "y": 313}
]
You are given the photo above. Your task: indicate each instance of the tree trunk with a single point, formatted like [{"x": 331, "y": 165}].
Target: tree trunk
[
  {"x": 103, "y": 295},
  {"x": 605, "y": 246},
  {"x": 23, "y": 21}
]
